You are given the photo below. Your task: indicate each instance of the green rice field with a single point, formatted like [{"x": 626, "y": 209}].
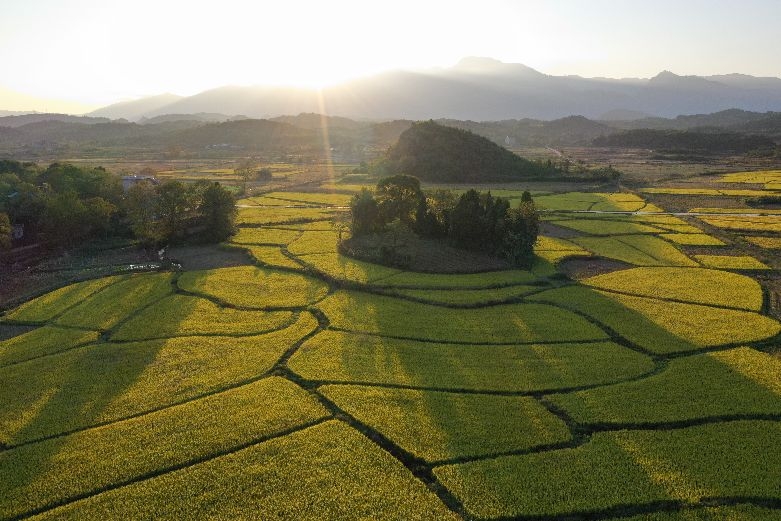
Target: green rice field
[{"x": 632, "y": 373}]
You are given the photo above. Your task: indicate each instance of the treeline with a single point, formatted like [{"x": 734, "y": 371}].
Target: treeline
[
  {"x": 472, "y": 221},
  {"x": 687, "y": 141},
  {"x": 64, "y": 205}
]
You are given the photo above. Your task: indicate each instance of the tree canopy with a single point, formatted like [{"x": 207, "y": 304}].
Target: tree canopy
[
  {"x": 63, "y": 205},
  {"x": 473, "y": 221}
]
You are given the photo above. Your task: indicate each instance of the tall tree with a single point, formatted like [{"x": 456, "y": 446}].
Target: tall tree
[
  {"x": 141, "y": 208},
  {"x": 523, "y": 227},
  {"x": 467, "y": 228},
  {"x": 173, "y": 207},
  {"x": 217, "y": 210},
  {"x": 365, "y": 213},
  {"x": 398, "y": 197}
]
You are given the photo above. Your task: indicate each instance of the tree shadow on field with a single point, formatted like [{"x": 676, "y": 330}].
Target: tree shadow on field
[
  {"x": 45, "y": 399},
  {"x": 403, "y": 364}
]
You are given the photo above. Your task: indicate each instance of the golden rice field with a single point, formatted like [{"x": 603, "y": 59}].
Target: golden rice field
[{"x": 311, "y": 385}]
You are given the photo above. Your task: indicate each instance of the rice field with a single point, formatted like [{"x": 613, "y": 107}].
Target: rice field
[{"x": 312, "y": 385}]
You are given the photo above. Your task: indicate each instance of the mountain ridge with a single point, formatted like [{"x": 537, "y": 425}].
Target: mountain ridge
[{"x": 476, "y": 88}]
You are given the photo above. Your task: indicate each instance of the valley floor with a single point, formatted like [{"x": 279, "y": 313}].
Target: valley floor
[{"x": 632, "y": 373}]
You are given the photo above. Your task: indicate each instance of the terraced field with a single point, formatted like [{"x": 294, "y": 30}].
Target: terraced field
[{"x": 316, "y": 386}]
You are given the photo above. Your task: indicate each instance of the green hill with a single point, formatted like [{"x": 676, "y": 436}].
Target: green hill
[{"x": 433, "y": 152}]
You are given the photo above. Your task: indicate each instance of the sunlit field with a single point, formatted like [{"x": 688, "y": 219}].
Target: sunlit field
[{"x": 631, "y": 373}]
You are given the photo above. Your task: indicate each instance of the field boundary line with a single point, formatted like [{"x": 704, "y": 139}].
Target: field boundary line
[
  {"x": 538, "y": 393},
  {"x": 468, "y": 343},
  {"x": 674, "y": 300}
]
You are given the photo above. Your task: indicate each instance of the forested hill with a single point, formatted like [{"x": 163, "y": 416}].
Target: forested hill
[
  {"x": 710, "y": 142},
  {"x": 436, "y": 153}
]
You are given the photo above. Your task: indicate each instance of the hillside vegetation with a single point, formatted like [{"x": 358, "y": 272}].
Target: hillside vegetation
[
  {"x": 436, "y": 153},
  {"x": 712, "y": 142}
]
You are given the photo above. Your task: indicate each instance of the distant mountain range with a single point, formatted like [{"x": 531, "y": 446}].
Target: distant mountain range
[
  {"x": 480, "y": 89},
  {"x": 305, "y": 135}
]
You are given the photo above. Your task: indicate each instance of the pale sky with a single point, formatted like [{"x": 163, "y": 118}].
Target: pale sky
[{"x": 89, "y": 53}]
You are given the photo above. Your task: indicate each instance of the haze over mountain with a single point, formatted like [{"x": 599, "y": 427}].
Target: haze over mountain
[
  {"x": 136, "y": 109},
  {"x": 479, "y": 89}
]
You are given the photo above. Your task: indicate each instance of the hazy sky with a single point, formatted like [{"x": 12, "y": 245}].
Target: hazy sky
[{"x": 95, "y": 52}]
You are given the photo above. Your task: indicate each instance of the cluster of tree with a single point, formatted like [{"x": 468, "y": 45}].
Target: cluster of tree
[
  {"x": 437, "y": 153},
  {"x": 64, "y": 205},
  {"x": 173, "y": 211},
  {"x": 686, "y": 141},
  {"x": 473, "y": 221},
  {"x": 247, "y": 171}
]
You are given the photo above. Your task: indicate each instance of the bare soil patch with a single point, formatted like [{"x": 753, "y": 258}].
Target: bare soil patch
[
  {"x": 584, "y": 268},
  {"x": 559, "y": 232},
  {"x": 208, "y": 257}
]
